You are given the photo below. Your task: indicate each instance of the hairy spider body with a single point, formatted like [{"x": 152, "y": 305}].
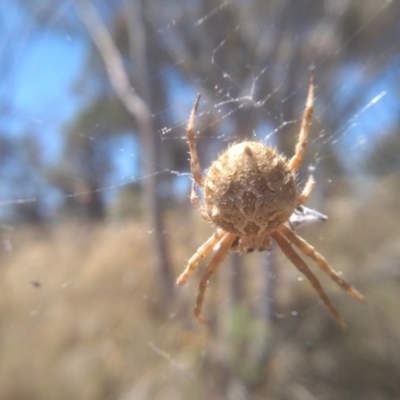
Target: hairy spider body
[
  {"x": 249, "y": 190},
  {"x": 250, "y": 193}
]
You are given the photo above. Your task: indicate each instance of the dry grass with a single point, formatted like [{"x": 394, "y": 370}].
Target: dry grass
[
  {"x": 80, "y": 317},
  {"x": 84, "y": 333}
]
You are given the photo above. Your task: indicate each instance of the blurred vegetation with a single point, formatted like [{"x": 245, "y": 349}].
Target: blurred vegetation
[
  {"x": 80, "y": 316},
  {"x": 88, "y": 305}
]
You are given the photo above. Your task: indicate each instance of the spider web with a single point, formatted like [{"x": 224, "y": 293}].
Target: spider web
[{"x": 252, "y": 70}]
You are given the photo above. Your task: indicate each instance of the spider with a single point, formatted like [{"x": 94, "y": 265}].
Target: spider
[{"x": 249, "y": 193}]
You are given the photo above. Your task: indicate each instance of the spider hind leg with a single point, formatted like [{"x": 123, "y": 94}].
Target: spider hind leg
[
  {"x": 296, "y": 160},
  {"x": 194, "y": 159}
]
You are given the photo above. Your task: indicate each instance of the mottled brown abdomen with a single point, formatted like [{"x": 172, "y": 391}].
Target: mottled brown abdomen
[{"x": 249, "y": 190}]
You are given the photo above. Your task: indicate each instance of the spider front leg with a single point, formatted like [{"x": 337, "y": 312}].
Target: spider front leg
[
  {"x": 296, "y": 160},
  {"x": 302, "y": 267},
  {"x": 201, "y": 252},
  {"x": 225, "y": 246},
  {"x": 309, "y": 251}
]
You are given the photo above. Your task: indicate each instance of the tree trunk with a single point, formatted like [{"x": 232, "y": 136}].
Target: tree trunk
[{"x": 139, "y": 105}]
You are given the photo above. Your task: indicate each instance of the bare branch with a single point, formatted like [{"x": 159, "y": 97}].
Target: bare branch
[{"x": 112, "y": 59}]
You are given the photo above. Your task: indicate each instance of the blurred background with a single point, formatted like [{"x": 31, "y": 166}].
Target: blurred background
[{"x": 96, "y": 224}]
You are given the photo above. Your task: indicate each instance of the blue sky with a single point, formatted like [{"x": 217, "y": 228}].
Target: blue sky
[
  {"x": 45, "y": 65},
  {"x": 39, "y": 83}
]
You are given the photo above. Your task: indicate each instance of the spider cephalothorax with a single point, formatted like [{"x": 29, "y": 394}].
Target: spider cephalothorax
[{"x": 250, "y": 193}]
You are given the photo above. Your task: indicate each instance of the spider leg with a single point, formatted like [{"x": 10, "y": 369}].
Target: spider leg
[
  {"x": 201, "y": 252},
  {"x": 302, "y": 267},
  {"x": 225, "y": 246},
  {"x": 305, "y": 194},
  {"x": 309, "y": 251},
  {"x": 296, "y": 160},
  {"x": 194, "y": 159},
  {"x": 195, "y": 201}
]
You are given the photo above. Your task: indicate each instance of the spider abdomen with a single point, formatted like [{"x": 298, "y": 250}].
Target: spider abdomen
[{"x": 249, "y": 190}]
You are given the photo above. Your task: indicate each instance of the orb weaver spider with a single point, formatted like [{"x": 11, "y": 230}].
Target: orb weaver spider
[{"x": 249, "y": 193}]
